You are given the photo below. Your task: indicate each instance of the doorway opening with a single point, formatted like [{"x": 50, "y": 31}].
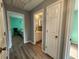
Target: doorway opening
[
  {"x": 38, "y": 28},
  {"x": 71, "y": 33},
  {"x": 16, "y": 30},
  {"x": 74, "y": 36}
]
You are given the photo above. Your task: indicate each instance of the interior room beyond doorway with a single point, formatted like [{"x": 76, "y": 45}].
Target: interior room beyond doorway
[
  {"x": 17, "y": 30},
  {"x": 38, "y": 28}
]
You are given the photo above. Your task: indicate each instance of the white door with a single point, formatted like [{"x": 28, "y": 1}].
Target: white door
[
  {"x": 3, "y": 45},
  {"x": 52, "y": 29}
]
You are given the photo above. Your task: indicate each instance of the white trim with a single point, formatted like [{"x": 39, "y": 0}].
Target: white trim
[
  {"x": 31, "y": 42},
  {"x": 41, "y": 10},
  {"x": 9, "y": 13},
  {"x": 15, "y": 13},
  {"x": 5, "y": 37},
  {"x": 27, "y": 41},
  {"x": 70, "y": 8}
]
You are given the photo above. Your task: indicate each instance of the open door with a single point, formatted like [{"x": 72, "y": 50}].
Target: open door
[{"x": 3, "y": 45}]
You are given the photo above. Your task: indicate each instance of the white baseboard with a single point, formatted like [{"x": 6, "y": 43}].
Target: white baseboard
[
  {"x": 29, "y": 42},
  {"x": 26, "y": 42},
  {"x": 44, "y": 51},
  {"x": 74, "y": 43},
  {"x": 32, "y": 42}
]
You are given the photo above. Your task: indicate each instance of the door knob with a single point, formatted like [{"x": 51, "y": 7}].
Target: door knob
[
  {"x": 70, "y": 39},
  {"x": 4, "y": 33},
  {"x": 56, "y": 36},
  {"x": 2, "y": 49}
]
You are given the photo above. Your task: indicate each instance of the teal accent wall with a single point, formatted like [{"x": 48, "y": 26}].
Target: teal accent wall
[
  {"x": 16, "y": 22},
  {"x": 74, "y": 34}
]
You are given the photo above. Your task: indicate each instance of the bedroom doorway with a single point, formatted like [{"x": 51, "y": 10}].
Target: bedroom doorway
[{"x": 16, "y": 31}]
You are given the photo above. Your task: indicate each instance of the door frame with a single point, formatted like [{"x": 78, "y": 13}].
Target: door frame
[
  {"x": 68, "y": 28},
  {"x": 59, "y": 47},
  {"x": 9, "y": 13},
  {"x": 34, "y": 40},
  {"x": 4, "y": 34}
]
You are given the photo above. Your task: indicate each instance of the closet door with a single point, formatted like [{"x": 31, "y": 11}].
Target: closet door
[{"x": 52, "y": 29}]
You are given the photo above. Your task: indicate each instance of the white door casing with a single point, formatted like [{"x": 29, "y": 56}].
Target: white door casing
[
  {"x": 15, "y": 14},
  {"x": 53, "y": 29},
  {"x": 3, "y": 54},
  {"x": 68, "y": 27},
  {"x": 34, "y": 25},
  {"x": 10, "y": 35}
]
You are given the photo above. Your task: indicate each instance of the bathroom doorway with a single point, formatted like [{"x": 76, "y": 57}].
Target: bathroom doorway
[{"x": 38, "y": 28}]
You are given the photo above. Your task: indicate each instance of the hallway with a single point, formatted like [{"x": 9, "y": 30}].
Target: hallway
[{"x": 26, "y": 51}]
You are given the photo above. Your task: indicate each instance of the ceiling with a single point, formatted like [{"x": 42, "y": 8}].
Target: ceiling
[{"x": 23, "y": 4}]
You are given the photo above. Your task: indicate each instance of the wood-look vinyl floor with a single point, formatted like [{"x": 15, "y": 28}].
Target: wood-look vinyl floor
[
  {"x": 26, "y": 51},
  {"x": 74, "y": 51}
]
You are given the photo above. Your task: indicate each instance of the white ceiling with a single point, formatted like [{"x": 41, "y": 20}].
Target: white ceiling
[{"x": 23, "y": 4}]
